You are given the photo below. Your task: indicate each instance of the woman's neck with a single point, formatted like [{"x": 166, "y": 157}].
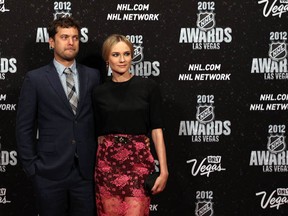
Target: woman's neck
[{"x": 121, "y": 77}]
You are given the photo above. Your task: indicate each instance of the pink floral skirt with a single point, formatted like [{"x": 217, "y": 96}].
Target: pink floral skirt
[{"x": 122, "y": 163}]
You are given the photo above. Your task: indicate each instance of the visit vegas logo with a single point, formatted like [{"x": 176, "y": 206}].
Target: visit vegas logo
[
  {"x": 274, "y": 7},
  {"x": 276, "y": 199},
  {"x": 206, "y": 35},
  {"x": 205, "y": 128},
  {"x": 275, "y": 158}
]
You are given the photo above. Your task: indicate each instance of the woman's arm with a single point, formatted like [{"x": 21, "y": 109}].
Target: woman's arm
[{"x": 158, "y": 139}]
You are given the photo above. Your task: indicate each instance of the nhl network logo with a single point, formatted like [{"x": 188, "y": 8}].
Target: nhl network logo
[{"x": 275, "y": 159}]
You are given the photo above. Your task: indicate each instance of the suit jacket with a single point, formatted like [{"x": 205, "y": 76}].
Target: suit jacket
[{"x": 43, "y": 107}]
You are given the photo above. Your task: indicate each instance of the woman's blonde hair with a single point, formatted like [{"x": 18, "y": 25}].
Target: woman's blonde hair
[{"x": 111, "y": 41}]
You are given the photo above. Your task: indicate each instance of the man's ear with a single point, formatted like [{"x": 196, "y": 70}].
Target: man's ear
[{"x": 51, "y": 43}]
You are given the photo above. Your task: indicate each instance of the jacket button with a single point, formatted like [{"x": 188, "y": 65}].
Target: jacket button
[{"x": 73, "y": 141}]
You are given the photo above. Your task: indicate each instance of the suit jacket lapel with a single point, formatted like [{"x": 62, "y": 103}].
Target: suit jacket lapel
[{"x": 55, "y": 82}]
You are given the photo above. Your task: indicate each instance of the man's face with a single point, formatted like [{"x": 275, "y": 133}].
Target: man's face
[{"x": 65, "y": 44}]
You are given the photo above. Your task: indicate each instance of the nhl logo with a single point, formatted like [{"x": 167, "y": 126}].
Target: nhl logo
[
  {"x": 204, "y": 208},
  {"x": 138, "y": 54},
  {"x": 205, "y": 21},
  {"x": 61, "y": 14},
  {"x": 277, "y": 51},
  {"x": 276, "y": 143},
  {"x": 205, "y": 113},
  {"x": 2, "y": 6}
]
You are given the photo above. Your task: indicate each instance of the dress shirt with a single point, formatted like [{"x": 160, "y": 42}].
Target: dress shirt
[{"x": 60, "y": 70}]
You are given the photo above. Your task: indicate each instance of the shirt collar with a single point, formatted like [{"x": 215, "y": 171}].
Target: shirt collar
[{"x": 60, "y": 68}]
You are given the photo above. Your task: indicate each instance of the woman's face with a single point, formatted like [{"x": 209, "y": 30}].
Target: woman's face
[{"x": 120, "y": 58}]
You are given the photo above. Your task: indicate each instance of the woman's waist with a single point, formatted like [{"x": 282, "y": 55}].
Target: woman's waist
[{"x": 124, "y": 138}]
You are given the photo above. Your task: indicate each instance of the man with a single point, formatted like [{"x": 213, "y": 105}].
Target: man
[{"x": 56, "y": 102}]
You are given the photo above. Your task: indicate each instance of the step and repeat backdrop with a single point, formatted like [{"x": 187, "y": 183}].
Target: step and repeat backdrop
[{"x": 222, "y": 69}]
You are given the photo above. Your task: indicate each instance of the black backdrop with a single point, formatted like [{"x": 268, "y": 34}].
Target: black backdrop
[{"x": 222, "y": 69}]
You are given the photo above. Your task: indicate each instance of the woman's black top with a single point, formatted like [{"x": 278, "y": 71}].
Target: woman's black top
[{"x": 131, "y": 107}]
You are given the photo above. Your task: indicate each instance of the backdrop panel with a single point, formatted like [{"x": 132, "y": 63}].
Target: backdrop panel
[{"x": 222, "y": 69}]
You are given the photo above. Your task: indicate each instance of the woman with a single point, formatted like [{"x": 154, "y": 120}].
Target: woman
[{"x": 127, "y": 108}]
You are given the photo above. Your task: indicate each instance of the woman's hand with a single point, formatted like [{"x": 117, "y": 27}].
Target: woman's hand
[{"x": 160, "y": 184}]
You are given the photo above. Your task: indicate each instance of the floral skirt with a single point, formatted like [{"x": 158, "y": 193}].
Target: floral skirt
[{"x": 122, "y": 163}]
